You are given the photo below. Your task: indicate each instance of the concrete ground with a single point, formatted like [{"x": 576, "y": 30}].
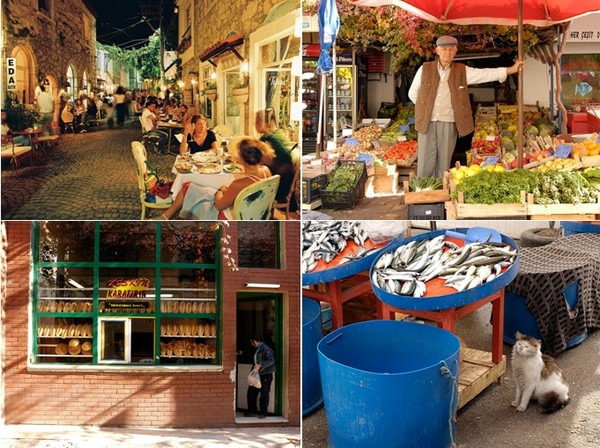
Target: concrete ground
[
  {"x": 48, "y": 436},
  {"x": 490, "y": 421},
  {"x": 91, "y": 176}
]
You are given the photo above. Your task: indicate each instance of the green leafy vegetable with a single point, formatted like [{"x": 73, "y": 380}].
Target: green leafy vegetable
[
  {"x": 425, "y": 184},
  {"x": 344, "y": 177}
]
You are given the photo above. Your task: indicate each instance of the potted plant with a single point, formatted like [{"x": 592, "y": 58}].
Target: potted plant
[
  {"x": 211, "y": 90},
  {"x": 240, "y": 90}
]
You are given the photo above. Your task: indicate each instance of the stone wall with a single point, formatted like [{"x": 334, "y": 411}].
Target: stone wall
[
  {"x": 238, "y": 16},
  {"x": 56, "y": 41}
]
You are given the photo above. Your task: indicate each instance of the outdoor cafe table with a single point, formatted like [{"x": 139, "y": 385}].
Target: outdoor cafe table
[
  {"x": 170, "y": 126},
  {"x": 33, "y": 134},
  {"x": 206, "y": 180}
]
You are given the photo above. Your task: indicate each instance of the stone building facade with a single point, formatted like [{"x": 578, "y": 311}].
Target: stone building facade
[
  {"x": 54, "y": 42},
  {"x": 267, "y": 30}
]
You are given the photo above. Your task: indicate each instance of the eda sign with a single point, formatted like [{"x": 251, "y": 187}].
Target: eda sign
[{"x": 11, "y": 74}]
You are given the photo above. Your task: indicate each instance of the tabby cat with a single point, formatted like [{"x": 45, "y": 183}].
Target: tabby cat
[{"x": 537, "y": 376}]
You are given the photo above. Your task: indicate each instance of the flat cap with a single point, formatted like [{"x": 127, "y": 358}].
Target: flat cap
[{"x": 446, "y": 41}]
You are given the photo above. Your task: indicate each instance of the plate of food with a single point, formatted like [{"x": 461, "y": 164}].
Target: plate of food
[
  {"x": 183, "y": 167},
  {"x": 205, "y": 157},
  {"x": 208, "y": 168},
  {"x": 233, "y": 167}
]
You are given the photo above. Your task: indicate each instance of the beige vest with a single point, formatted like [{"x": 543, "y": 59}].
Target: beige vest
[{"x": 459, "y": 97}]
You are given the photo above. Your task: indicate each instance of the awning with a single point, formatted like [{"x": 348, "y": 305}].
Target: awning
[{"x": 223, "y": 46}]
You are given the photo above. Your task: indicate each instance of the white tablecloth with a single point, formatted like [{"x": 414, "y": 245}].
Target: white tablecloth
[{"x": 207, "y": 180}]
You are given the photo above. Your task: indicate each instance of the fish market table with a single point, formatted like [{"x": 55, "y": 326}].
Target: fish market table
[
  {"x": 339, "y": 284},
  {"x": 446, "y": 306}
]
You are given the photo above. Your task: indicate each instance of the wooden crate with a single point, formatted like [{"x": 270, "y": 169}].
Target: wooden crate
[
  {"x": 477, "y": 372},
  {"x": 579, "y": 212},
  {"x": 426, "y": 197},
  {"x": 457, "y": 209}
]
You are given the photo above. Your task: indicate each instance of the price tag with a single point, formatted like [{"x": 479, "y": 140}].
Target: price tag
[
  {"x": 401, "y": 138},
  {"x": 490, "y": 161},
  {"x": 346, "y": 132},
  {"x": 490, "y": 138},
  {"x": 404, "y": 128},
  {"x": 563, "y": 151},
  {"x": 411, "y": 120}
]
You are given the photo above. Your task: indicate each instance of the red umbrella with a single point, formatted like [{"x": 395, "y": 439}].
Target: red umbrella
[{"x": 496, "y": 12}]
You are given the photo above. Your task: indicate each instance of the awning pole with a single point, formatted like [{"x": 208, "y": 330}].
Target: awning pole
[{"x": 520, "y": 89}]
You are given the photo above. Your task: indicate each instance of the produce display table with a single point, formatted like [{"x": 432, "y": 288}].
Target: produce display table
[
  {"x": 339, "y": 284},
  {"x": 478, "y": 369},
  {"x": 559, "y": 283}
]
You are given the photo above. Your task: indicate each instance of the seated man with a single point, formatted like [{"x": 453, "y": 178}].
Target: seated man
[{"x": 149, "y": 121}]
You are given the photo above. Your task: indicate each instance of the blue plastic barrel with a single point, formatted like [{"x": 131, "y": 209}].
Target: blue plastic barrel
[
  {"x": 518, "y": 318},
  {"x": 574, "y": 227},
  {"x": 312, "y": 395},
  {"x": 390, "y": 384}
]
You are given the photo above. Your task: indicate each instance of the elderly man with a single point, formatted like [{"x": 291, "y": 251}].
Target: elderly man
[{"x": 442, "y": 104}]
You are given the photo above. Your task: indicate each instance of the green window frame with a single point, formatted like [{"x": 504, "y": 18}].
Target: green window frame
[{"x": 169, "y": 325}]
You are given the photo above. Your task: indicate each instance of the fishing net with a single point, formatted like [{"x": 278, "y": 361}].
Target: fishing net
[{"x": 546, "y": 272}]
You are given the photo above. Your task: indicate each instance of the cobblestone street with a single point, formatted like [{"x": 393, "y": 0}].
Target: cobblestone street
[{"x": 91, "y": 176}]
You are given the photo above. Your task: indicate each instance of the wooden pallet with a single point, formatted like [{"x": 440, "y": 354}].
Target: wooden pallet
[{"x": 477, "y": 372}]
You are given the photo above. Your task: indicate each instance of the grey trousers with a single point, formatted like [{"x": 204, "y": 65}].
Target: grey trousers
[{"x": 435, "y": 149}]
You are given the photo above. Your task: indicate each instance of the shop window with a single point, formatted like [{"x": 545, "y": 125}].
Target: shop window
[
  {"x": 54, "y": 247},
  {"x": 188, "y": 242},
  {"x": 104, "y": 290},
  {"x": 127, "y": 241},
  {"x": 258, "y": 245}
]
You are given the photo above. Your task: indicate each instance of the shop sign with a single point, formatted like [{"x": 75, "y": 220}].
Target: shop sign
[
  {"x": 314, "y": 50},
  {"x": 585, "y": 29},
  {"x": 11, "y": 74},
  {"x": 127, "y": 288},
  {"x": 127, "y": 305}
]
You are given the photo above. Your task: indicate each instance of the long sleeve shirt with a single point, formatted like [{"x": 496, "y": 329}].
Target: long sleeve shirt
[{"x": 442, "y": 108}]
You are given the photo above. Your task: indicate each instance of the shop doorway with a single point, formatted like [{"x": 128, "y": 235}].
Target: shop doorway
[{"x": 259, "y": 314}]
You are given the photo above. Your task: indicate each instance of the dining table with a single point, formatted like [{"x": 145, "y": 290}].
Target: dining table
[
  {"x": 37, "y": 150},
  {"x": 170, "y": 126},
  {"x": 195, "y": 175}
]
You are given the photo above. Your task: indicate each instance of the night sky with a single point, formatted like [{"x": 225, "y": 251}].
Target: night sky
[{"x": 129, "y": 23}]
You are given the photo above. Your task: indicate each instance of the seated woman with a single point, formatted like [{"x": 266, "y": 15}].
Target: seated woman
[
  {"x": 197, "y": 137},
  {"x": 252, "y": 154},
  {"x": 7, "y": 133},
  {"x": 266, "y": 124}
]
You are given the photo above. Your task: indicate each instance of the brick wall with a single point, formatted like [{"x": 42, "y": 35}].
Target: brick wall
[{"x": 133, "y": 399}]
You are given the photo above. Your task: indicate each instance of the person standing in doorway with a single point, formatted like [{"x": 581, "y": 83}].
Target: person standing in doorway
[
  {"x": 443, "y": 106},
  {"x": 45, "y": 103},
  {"x": 264, "y": 363}
]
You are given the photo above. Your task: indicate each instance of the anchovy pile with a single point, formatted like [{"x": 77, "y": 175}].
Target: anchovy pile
[
  {"x": 406, "y": 270},
  {"x": 324, "y": 240}
]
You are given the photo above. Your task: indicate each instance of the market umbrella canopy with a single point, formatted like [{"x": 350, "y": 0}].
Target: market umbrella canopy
[{"x": 492, "y": 12}]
